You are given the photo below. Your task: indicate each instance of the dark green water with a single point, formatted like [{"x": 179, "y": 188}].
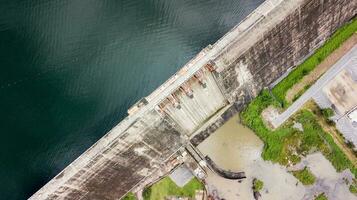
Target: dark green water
[{"x": 69, "y": 69}]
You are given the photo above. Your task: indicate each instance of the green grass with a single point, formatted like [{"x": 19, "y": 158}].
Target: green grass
[
  {"x": 257, "y": 185},
  {"x": 309, "y": 64},
  {"x": 166, "y": 187},
  {"x": 286, "y": 145},
  {"x": 321, "y": 197},
  {"x": 129, "y": 196},
  {"x": 305, "y": 176}
]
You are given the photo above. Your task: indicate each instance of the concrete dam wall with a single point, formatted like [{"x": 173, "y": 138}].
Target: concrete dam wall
[{"x": 218, "y": 82}]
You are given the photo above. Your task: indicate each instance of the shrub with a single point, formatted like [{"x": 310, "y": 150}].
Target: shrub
[
  {"x": 353, "y": 189},
  {"x": 350, "y": 144},
  {"x": 129, "y": 196},
  {"x": 257, "y": 185},
  {"x": 321, "y": 197},
  {"x": 327, "y": 112}
]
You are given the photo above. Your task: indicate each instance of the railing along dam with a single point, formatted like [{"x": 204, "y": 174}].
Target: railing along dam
[{"x": 274, "y": 38}]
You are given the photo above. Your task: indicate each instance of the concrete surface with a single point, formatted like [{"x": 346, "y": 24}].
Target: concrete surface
[{"x": 342, "y": 92}]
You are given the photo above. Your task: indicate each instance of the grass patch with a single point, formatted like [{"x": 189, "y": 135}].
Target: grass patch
[
  {"x": 286, "y": 145},
  {"x": 257, "y": 185},
  {"x": 166, "y": 187},
  {"x": 321, "y": 197},
  {"x": 129, "y": 196},
  {"x": 309, "y": 64},
  {"x": 305, "y": 176}
]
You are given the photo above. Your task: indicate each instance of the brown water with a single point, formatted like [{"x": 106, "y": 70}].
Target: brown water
[
  {"x": 232, "y": 146},
  {"x": 235, "y": 147}
]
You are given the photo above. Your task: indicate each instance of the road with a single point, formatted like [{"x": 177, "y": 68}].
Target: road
[{"x": 350, "y": 59}]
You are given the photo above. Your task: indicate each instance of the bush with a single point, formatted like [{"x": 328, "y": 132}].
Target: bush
[
  {"x": 129, "y": 196},
  {"x": 330, "y": 122},
  {"x": 147, "y": 193},
  {"x": 327, "y": 112},
  {"x": 350, "y": 144},
  {"x": 257, "y": 185},
  {"x": 353, "y": 189},
  {"x": 321, "y": 197}
]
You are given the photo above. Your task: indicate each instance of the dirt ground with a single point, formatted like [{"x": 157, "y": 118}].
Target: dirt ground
[
  {"x": 322, "y": 67},
  {"x": 269, "y": 114}
]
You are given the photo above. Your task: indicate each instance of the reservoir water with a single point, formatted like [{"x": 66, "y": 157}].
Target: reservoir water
[{"x": 69, "y": 70}]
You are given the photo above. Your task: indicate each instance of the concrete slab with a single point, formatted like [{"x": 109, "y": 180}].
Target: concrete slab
[
  {"x": 181, "y": 176},
  {"x": 342, "y": 92}
]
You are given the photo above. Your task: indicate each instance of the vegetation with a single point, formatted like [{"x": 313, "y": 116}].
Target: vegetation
[
  {"x": 166, "y": 187},
  {"x": 286, "y": 144},
  {"x": 327, "y": 112},
  {"x": 257, "y": 185},
  {"x": 301, "y": 92},
  {"x": 309, "y": 64},
  {"x": 305, "y": 176},
  {"x": 328, "y": 125},
  {"x": 129, "y": 196},
  {"x": 321, "y": 197},
  {"x": 353, "y": 187}
]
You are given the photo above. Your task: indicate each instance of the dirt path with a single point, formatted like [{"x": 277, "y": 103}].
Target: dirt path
[
  {"x": 321, "y": 68},
  {"x": 311, "y": 105}
]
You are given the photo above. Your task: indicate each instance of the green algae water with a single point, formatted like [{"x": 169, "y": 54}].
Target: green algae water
[{"x": 69, "y": 70}]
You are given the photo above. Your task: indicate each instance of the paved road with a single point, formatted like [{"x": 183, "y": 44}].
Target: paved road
[{"x": 350, "y": 59}]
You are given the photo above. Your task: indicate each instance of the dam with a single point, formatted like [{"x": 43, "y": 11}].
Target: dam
[{"x": 200, "y": 97}]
